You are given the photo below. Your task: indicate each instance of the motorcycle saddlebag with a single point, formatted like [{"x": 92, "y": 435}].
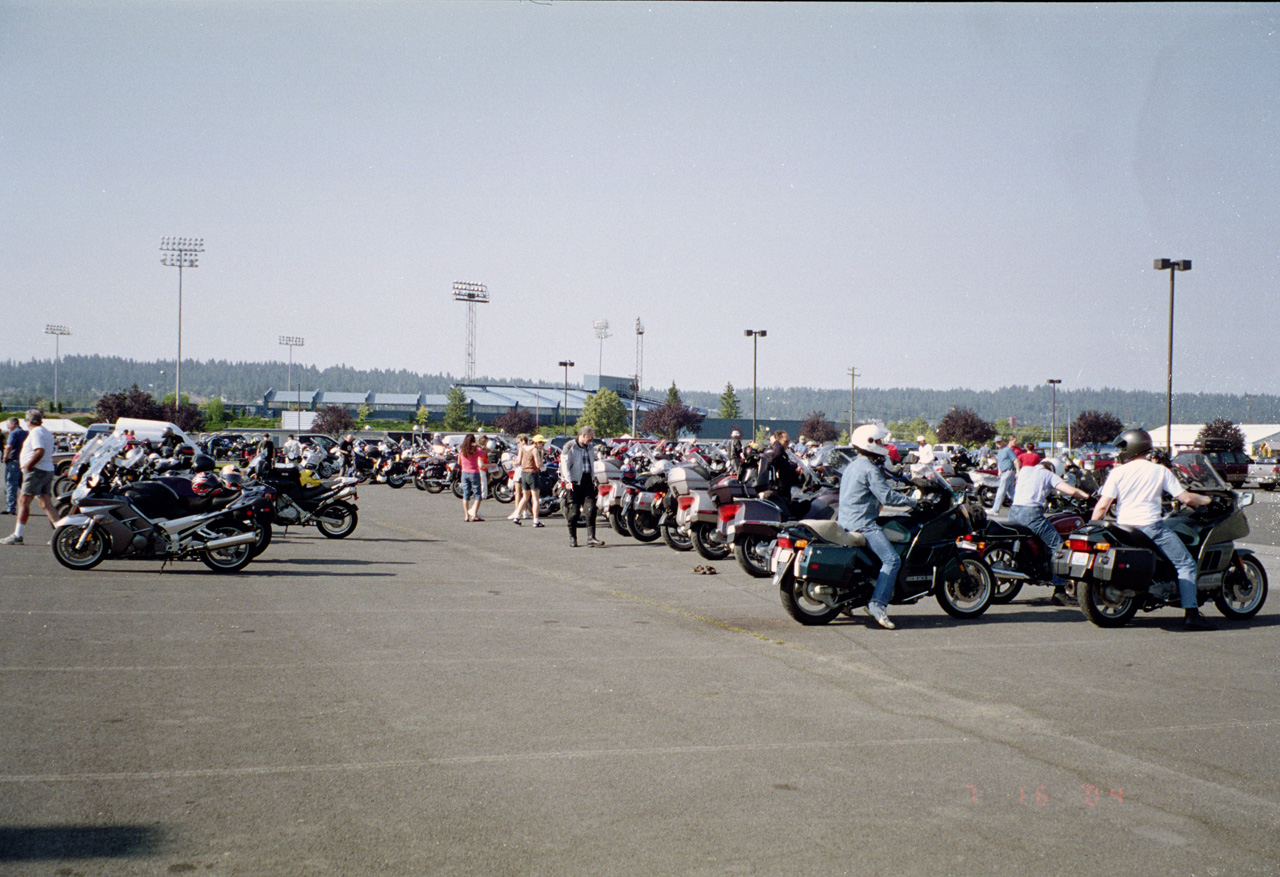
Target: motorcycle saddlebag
[
  {"x": 1128, "y": 568},
  {"x": 683, "y": 480},
  {"x": 728, "y": 489},
  {"x": 829, "y": 563}
]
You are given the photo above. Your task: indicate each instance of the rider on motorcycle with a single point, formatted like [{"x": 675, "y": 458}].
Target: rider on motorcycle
[
  {"x": 1033, "y": 486},
  {"x": 1137, "y": 484},
  {"x": 864, "y": 488}
]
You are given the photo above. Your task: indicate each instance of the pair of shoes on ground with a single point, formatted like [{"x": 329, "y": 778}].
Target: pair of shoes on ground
[
  {"x": 877, "y": 612},
  {"x": 707, "y": 570},
  {"x": 592, "y": 542}
]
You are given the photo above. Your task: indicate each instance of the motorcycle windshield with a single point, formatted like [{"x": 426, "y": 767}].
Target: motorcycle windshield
[
  {"x": 110, "y": 448},
  {"x": 1196, "y": 473}
]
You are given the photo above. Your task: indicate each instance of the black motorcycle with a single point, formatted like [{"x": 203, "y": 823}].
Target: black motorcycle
[
  {"x": 303, "y": 501},
  {"x": 1118, "y": 570},
  {"x": 751, "y": 524},
  {"x": 822, "y": 570}
]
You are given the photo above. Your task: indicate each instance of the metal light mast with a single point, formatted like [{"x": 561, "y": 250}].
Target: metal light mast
[
  {"x": 292, "y": 341},
  {"x": 602, "y": 332},
  {"x": 180, "y": 253},
  {"x": 57, "y": 332},
  {"x": 473, "y": 294},
  {"x": 635, "y": 387}
]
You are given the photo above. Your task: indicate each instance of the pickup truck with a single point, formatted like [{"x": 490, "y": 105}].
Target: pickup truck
[{"x": 1265, "y": 473}]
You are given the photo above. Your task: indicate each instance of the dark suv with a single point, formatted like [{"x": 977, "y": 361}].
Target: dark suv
[{"x": 1231, "y": 464}]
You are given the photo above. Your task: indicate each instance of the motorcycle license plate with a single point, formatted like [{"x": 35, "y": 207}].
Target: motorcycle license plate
[{"x": 779, "y": 561}]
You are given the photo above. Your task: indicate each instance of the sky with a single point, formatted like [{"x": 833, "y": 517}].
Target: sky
[{"x": 939, "y": 196}]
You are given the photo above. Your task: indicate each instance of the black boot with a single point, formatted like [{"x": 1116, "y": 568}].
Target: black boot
[
  {"x": 573, "y": 538},
  {"x": 1193, "y": 620}
]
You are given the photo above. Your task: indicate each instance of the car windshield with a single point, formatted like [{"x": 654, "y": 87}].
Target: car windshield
[{"x": 1195, "y": 472}]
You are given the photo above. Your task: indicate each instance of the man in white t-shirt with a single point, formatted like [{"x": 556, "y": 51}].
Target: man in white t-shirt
[
  {"x": 1136, "y": 487},
  {"x": 36, "y": 461},
  {"x": 1029, "y": 495}
]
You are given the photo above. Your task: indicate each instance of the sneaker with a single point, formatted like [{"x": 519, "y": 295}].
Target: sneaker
[
  {"x": 537, "y": 524},
  {"x": 515, "y": 521},
  {"x": 11, "y": 540},
  {"x": 593, "y": 542},
  {"x": 876, "y": 611},
  {"x": 1193, "y": 620}
]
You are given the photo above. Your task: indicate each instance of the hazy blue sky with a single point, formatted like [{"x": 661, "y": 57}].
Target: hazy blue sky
[{"x": 959, "y": 195}]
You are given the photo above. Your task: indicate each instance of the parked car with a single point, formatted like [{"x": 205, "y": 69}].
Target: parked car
[{"x": 1231, "y": 464}]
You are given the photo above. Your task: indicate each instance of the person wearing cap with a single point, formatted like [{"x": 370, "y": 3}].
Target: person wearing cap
[
  {"x": 734, "y": 450},
  {"x": 1007, "y": 467}
]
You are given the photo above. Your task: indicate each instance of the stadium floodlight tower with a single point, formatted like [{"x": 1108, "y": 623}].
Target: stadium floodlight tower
[
  {"x": 602, "y": 332},
  {"x": 180, "y": 253},
  {"x": 292, "y": 341},
  {"x": 473, "y": 294},
  {"x": 57, "y": 332},
  {"x": 1172, "y": 267}
]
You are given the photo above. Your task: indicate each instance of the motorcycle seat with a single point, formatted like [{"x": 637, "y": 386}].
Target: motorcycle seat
[
  {"x": 831, "y": 531},
  {"x": 999, "y": 529}
]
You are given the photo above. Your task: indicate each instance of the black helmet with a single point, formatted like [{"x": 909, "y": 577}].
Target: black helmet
[
  {"x": 202, "y": 463},
  {"x": 1132, "y": 443}
]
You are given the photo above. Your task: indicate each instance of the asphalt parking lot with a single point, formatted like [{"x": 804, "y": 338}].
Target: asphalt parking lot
[{"x": 434, "y": 697}]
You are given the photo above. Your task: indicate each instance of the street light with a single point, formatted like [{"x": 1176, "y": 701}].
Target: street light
[
  {"x": 292, "y": 341},
  {"x": 180, "y": 253},
  {"x": 602, "y": 332},
  {"x": 57, "y": 332},
  {"x": 1171, "y": 267},
  {"x": 635, "y": 385},
  {"x": 755, "y": 335},
  {"x": 564, "y": 411},
  {"x": 1053, "y": 418}
]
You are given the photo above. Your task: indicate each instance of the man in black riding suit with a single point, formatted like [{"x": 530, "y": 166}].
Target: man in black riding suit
[{"x": 778, "y": 473}]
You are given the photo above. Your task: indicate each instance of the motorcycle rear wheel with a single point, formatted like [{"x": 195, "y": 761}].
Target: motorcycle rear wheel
[
  {"x": 457, "y": 487},
  {"x": 752, "y": 554},
  {"x": 92, "y": 553},
  {"x": 642, "y": 526},
  {"x": 264, "y": 538},
  {"x": 398, "y": 480},
  {"x": 800, "y": 606},
  {"x": 1005, "y": 589},
  {"x": 618, "y": 523},
  {"x": 969, "y": 594},
  {"x": 1243, "y": 593},
  {"x": 671, "y": 535},
  {"x": 232, "y": 559},
  {"x": 337, "y": 520},
  {"x": 708, "y": 543},
  {"x": 503, "y": 491},
  {"x": 1102, "y": 608},
  {"x": 434, "y": 485}
]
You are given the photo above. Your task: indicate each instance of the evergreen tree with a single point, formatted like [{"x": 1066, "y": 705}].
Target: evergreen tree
[
  {"x": 673, "y": 396},
  {"x": 730, "y": 408},
  {"x": 605, "y": 413},
  {"x": 457, "y": 415}
]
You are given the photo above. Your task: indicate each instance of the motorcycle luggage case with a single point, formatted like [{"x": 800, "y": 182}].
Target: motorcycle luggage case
[
  {"x": 728, "y": 489},
  {"x": 829, "y": 563},
  {"x": 1128, "y": 568},
  {"x": 684, "y": 481},
  {"x": 606, "y": 471}
]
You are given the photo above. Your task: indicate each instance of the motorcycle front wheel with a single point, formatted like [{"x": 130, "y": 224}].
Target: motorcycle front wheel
[
  {"x": 337, "y": 520},
  {"x": 1103, "y": 605},
  {"x": 799, "y": 605},
  {"x": 87, "y": 556},
  {"x": 967, "y": 595},
  {"x": 752, "y": 554},
  {"x": 1243, "y": 591},
  {"x": 618, "y": 522},
  {"x": 398, "y": 480},
  {"x": 671, "y": 535},
  {"x": 457, "y": 487},
  {"x": 642, "y": 526}
]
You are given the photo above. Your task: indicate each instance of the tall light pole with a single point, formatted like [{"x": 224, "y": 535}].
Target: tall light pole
[
  {"x": 292, "y": 341},
  {"x": 473, "y": 294},
  {"x": 635, "y": 386},
  {"x": 853, "y": 380},
  {"x": 1053, "y": 418},
  {"x": 755, "y": 335},
  {"x": 57, "y": 332},
  {"x": 602, "y": 332},
  {"x": 564, "y": 410},
  {"x": 1171, "y": 267},
  {"x": 180, "y": 253}
]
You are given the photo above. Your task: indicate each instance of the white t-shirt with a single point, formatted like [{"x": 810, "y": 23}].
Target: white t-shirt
[
  {"x": 1034, "y": 484},
  {"x": 38, "y": 437},
  {"x": 1137, "y": 488}
]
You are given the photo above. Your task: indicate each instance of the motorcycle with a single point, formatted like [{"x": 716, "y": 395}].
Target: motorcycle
[
  {"x": 1016, "y": 555},
  {"x": 822, "y": 570},
  {"x": 430, "y": 473},
  {"x": 303, "y": 500},
  {"x": 1118, "y": 570},
  {"x": 751, "y": 524},
  {"x": 149, "y": 520}
]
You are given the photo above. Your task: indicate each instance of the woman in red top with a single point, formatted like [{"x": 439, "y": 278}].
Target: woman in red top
[{"x": 474, "y": 461}]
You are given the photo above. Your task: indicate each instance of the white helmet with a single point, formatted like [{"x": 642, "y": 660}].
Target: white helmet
[{"x": 869, "y": 439}]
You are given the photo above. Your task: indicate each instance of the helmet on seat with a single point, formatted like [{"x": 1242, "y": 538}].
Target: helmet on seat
[
  {"x": 1132, "y": 443},
  {"x": 207, "y": 484},
  {"x": 307, "y": 478},
  {"x": 869, "y": 439},
  {"x": 232, "y": 476}
]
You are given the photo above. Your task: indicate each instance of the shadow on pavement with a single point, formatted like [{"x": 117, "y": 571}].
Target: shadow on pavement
[{"x": 30, "y": 843}]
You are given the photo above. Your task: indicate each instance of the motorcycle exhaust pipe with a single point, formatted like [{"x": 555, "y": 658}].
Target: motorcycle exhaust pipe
[
  {"x": 231, "y": 541},
  {"x": 1003, "y": 573}
]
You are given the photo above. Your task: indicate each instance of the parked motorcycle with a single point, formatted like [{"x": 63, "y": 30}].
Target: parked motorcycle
[
  {"x": 149, "y": 520},
  {"x": 1016, "y": 555},
  {"x": 303, "y": 500},
  {"x": 822, "y": 570},
  {"x": 751, "y": 524},
  {"x": 1118, "y": 570}
]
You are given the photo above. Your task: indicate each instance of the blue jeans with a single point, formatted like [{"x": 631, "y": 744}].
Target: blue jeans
[
  {"x": 12, "y": 481},
  {"x": 890, "y": 563},
  {"x": 1006, "y": 486},
  {"x": 1032, "y": 517},
  {"x": 471, "y": 488},
  {"x": 1181, "y": 558}
]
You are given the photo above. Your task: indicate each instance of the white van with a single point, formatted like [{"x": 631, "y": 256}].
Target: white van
[{"x": 151, "y": 429}]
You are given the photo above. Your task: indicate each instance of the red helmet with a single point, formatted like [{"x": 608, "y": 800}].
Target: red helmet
[{"x": 207, "y": 484}]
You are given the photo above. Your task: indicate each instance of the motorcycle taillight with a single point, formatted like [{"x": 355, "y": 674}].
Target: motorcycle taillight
[
  {"x": 1079, "y": 545},
  {"x": 784, "y": 542},
  {"x": 728, "y": 511},
  {"x": 684, "y": 502}
]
